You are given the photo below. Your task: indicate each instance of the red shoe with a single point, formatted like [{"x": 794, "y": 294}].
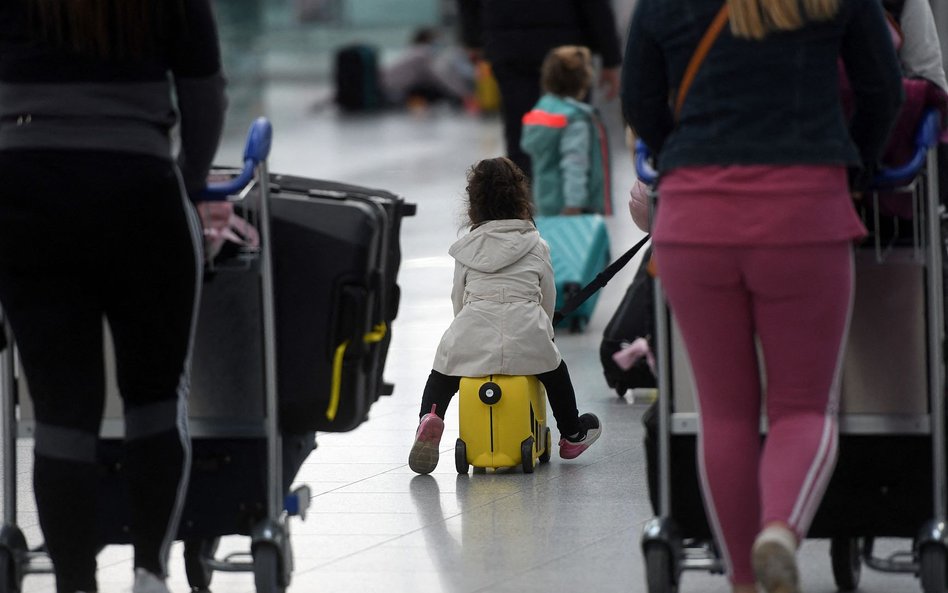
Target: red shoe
[
  {"x": 571, "y": 448},
  {"x": 424, "y": 453}
]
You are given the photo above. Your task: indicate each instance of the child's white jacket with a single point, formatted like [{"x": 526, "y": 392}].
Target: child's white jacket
[{"x": 503, "y": 298}]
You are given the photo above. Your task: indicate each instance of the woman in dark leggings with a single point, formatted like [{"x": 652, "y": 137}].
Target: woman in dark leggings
[{"x": 96, "y": 224}]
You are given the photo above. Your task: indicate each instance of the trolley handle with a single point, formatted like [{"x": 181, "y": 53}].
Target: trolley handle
[
  {"x": 257, "y": 149},
  {"x": 643, "y": 167},
  {"x": 926, "y": 138}
]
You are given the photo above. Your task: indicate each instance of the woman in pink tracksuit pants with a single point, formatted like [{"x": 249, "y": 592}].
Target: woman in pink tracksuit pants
[{"x": 753, "y": 237}]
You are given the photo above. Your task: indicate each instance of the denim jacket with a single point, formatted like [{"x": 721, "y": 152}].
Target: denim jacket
[{"x": 772, "y": 101}]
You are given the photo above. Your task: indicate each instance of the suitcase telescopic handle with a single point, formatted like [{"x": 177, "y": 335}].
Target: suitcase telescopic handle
[{"x": 257, "y": 149}]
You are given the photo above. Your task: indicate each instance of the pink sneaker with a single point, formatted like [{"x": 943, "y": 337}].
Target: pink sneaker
[
  {"x": 573, "y": 448},
  {"x": 424, "y": 453}
]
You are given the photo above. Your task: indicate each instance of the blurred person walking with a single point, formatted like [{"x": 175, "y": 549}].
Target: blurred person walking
[
  {"x": 95, "y": 223},
  {"x": 753, "y": 236},
  {"x": 515, "y": 37}
]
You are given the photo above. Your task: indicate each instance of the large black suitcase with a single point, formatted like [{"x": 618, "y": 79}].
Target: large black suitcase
[
  {"x": 335, "y": 257},
  {"x": 634, "y": 318}
]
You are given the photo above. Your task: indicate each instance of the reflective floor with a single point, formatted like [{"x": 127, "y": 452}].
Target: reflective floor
[{"x": 375, "y": 526}]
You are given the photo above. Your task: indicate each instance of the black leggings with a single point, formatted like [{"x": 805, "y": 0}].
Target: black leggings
[
  {"x": 87, "y": 236},
  {"x": 440, "y": 388},
  {"x": 519, "y": 92}
]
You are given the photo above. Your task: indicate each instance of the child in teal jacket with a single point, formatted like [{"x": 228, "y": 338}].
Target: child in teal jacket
[{"x": 566, "y": 140}]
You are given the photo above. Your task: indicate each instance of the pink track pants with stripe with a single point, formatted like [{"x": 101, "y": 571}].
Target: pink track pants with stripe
[{"x": 798, "y": 301}]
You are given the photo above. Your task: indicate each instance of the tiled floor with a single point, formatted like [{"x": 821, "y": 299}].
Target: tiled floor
[{"x": 375, "y": 526}]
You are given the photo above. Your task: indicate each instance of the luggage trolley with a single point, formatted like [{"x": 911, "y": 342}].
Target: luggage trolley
[
  {"x": 236, "y": 450},
  {"x": 893, "y": 399}
]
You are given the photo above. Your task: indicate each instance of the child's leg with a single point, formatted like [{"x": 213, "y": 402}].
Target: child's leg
[
  {"x": 439, "y": 390},
  {"x": 577, "y": 433},
  {"x": 559, "y": 391}
]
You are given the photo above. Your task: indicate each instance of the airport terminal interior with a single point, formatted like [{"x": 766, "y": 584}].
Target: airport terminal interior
[{"x": 374, "y": 526}]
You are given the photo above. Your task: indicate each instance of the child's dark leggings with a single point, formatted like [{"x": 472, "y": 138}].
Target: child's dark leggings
[{"x": 441, "y": 388}]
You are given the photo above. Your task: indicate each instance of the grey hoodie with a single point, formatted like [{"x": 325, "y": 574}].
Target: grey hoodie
[{"x": 503, "y": 298}]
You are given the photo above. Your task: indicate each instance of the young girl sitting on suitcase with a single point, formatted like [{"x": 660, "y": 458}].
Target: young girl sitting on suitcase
[{"x": 503, "y": 299}]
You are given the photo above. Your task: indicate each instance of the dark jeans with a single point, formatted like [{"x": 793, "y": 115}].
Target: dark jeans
[
  {"x": 519, "y": 92},
  {"x": 441, "y": 388},
  {"x": 84, "y": 236}
]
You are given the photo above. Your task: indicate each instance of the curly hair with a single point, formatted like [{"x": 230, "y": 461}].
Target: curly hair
[
  {"x": 497, "y": 190},
  {"x": 567, "y": 71}
]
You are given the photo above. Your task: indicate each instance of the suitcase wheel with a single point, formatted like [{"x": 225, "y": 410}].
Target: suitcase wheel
[
  {"x": 460, "y": 457},
  {"x": 548, "y": 446},
  {"x": 526, "y": 455}
]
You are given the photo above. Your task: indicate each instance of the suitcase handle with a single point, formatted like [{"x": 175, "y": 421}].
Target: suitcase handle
[
  {"x": 257, "y": 149},
  {"x": 335, "y": 391}
]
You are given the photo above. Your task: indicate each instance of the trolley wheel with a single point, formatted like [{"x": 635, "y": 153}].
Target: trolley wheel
[
  {"x": 847, "y": 565},
  {"x": 267, "y": 575},
  {"x": 547, "y": 451},
  {"x": 9, "y": 583},
  {"x": 196, "y": 552},
  {"x": 526, "y": 455},
  {"x": 659, "y": 569},
  {"x": 460, "y": 457},
  {"x": 933, "y": 570}
]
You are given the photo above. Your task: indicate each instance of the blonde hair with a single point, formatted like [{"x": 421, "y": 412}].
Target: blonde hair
[
  {"x": 567, "y": 71},
  {"x": 754, "y": 19}
]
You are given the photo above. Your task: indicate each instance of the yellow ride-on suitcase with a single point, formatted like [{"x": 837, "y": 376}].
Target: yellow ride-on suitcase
[{"x": 502, "y": 423}]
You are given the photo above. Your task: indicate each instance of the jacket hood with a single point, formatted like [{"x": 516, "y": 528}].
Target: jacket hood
[{"x": 495, "y": 244}]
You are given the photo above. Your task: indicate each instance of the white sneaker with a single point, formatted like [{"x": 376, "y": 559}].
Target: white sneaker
[
  {"x": 775, "y": 560},
  {"x": 146, "y": 582}
]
